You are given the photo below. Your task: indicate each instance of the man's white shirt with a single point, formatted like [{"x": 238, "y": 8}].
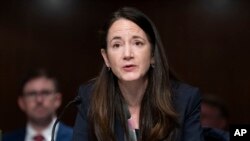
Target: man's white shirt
[{"x": 46, "y": 133}]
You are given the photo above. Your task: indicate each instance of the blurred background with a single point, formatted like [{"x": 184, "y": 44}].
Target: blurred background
[{"x": 207, "y": 43}]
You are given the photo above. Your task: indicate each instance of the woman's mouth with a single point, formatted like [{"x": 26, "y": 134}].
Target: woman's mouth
[{"x": 129, "y": 68}]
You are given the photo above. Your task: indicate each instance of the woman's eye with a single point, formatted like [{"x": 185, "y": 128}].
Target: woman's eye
[
  {"x": 138, "y": 43},
  {"x": 116, "y": 45}
]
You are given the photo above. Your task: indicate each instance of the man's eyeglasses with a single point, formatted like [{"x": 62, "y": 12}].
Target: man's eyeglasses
[{"x": 42, "y": 93}]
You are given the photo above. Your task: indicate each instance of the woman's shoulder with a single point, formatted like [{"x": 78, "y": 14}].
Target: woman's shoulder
[
  {"x": 183, "y": 90},
  {"x": 186, "y": 98},
  {"x": 86, "y": 89}
]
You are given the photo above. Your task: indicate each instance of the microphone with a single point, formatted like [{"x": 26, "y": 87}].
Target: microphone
[{"x": 77, "y": 100}]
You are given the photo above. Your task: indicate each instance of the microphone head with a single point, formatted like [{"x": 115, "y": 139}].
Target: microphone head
[{"x": 77, "y": 100}]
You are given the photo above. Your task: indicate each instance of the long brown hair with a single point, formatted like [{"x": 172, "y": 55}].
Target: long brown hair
[{"x": 158, "y": 120}]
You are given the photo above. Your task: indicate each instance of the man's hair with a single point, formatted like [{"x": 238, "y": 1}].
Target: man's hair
[{"x": 38, "y": 73}]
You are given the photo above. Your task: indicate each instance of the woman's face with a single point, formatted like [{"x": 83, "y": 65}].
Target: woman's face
[{"x": 128, "y": 51}]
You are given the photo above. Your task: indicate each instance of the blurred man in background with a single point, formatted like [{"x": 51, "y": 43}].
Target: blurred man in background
[
  {"x": 214, "y": 119},
  {"x": 39, "y": 100}
]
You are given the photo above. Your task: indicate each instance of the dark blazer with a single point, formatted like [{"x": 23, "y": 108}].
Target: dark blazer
[
  {"x": 186, "y": 102},
  {"x": 64, "y": 133}
]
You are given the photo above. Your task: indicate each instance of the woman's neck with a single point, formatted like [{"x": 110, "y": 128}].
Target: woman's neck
[{"x": 133, "y": 92}]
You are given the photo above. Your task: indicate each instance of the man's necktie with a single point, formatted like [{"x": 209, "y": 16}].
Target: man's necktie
[{"x": 38, "y": 138}]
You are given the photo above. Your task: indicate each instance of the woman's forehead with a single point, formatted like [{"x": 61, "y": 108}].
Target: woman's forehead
[{"x": 124, "y": 27}]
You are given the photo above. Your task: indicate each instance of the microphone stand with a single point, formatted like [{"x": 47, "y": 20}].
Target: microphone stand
[{"x": 76, "y": 100}]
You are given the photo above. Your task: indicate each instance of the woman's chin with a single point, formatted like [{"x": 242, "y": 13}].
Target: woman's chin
[{"x": 130, "y": 79}]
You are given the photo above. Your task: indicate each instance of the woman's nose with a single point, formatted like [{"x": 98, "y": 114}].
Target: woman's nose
[{"x": 128, "y": 52}]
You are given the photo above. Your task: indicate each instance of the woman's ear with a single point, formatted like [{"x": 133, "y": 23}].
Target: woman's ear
[
  {"x": 105, "y": 57},
  {"x": 152, "y": 61}
]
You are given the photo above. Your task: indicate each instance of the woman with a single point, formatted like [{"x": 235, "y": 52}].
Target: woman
[{"x": 133, "y": 98}]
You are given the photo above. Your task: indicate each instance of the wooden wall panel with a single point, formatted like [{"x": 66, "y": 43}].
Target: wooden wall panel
[{"x": 207, "y": 43}]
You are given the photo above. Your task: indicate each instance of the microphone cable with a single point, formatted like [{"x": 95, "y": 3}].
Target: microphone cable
[{"x": 76, "y": 100}]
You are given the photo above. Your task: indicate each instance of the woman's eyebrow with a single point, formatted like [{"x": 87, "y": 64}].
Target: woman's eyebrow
[
  {"x": 137, "y": 37},
  {"x": 116, "y": 38},
  {"x": 133, "y": 37}
]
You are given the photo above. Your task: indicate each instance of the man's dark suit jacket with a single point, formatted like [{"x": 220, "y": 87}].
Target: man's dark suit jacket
[
  {"x": 186, "y": 102},
  {"x": 64, "y": 133}
]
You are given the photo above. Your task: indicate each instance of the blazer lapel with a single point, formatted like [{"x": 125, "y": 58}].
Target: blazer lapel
[{"x": 119, "y": 132}]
